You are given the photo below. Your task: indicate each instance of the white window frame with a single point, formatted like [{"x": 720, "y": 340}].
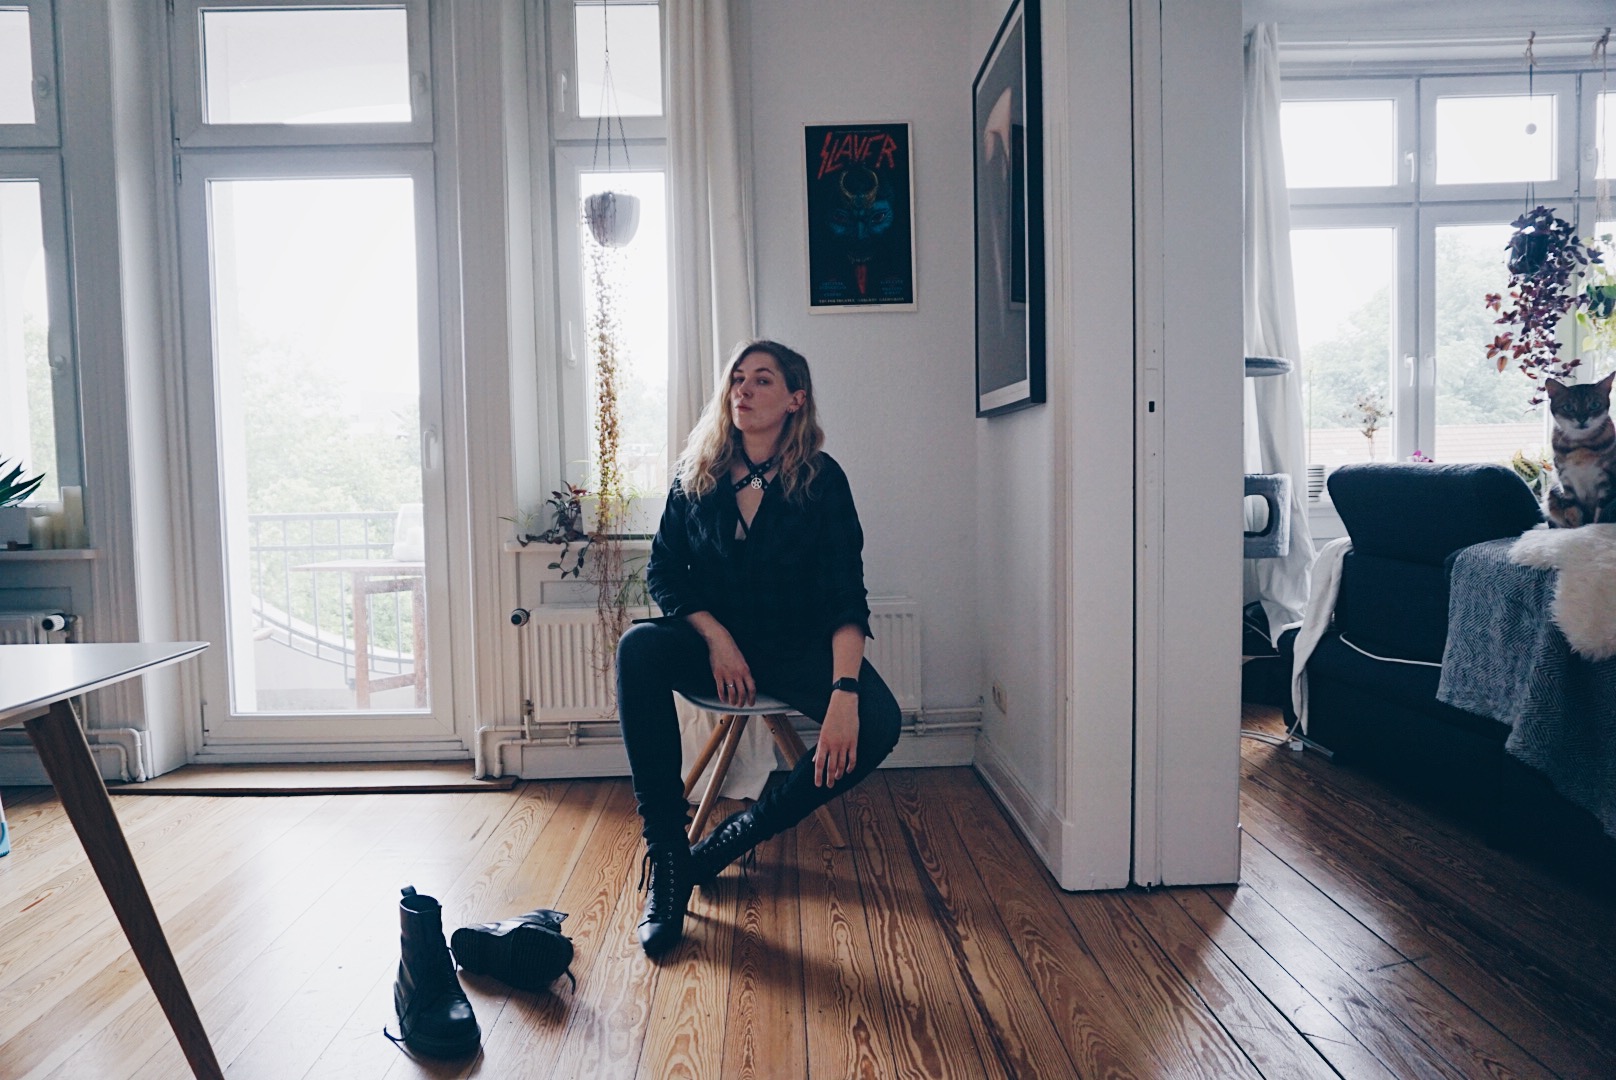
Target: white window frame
[
  {"x": 1401, "y": 93},
  {"x": 227, "y": 730},
  {"x": 1401, "y": 360},
  {"x": 572, "y": 161},
  {"x": 191, "y": 130},
  {"x": 46, "y": 129},
  {"x": 568, "y": 123},
  {"x": 45, "y": 169},
  {"x": 572, "y": 154},
  {"x": 1417, "y": 209},
  {"x": 1568, "y": 135}
]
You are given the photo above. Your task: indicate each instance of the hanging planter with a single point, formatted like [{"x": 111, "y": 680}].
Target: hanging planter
[
  {"x": 613, "y": 217},
  {"x": 1546, "y": 261}
]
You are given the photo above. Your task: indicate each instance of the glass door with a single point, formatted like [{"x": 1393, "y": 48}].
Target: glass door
[{"x": 313, "y": 366}]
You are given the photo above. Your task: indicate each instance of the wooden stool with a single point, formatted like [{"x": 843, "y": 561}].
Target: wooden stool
[{"x": 731, "y": 725}]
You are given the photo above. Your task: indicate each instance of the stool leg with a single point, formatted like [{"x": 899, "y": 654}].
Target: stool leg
[
  {"x": 732, "y": 740},
  {"x": 794, "y": 749},
  {"x": 719, "y": 731}
]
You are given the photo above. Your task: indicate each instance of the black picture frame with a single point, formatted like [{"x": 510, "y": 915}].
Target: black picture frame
[
  {"x": 859, "y": 192},
  {"x": 1008, "y": 172}
]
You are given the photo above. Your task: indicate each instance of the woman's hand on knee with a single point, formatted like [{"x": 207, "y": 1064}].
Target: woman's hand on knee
[
  {"x": 837, "y": 752},
  {"x": 731, "y": 675}
]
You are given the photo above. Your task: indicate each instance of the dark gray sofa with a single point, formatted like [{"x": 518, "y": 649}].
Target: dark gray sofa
[{"x": 1406, "y": 522}]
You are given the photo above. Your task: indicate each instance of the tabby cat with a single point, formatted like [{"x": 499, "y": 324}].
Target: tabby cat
[{"x": 1584, "y": 442}]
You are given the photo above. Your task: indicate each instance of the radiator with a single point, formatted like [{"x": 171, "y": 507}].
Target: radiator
[
  {"x": 33, "y": 627},
  {"x": 560, "y": 675}
]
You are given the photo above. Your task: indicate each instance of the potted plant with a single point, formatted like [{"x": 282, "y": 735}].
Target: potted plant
[
  {"x": 1369, "y": 412},
  {"x": 14, "y": 488},
  {"x": 1547, "y": 264}
]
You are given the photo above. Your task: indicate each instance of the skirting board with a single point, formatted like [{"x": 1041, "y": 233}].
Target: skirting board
[
  {"x": 1038, "y": 823},
  {"x": 538, "y": 761}
]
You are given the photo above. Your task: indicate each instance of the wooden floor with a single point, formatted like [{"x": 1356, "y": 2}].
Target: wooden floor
[{"x": 1368, "y": 939}]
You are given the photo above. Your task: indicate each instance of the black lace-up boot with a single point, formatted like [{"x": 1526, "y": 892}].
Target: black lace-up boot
[
  {"x": 736, "y": 836},
  {"x": 434, "y": 1017},
  {"x": 528, "y": 952},
  {"x": 666, "y": 869}
]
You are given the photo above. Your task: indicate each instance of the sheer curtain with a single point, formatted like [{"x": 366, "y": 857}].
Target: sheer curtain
[
  {"x": 710, "y": 216},
  {"x": 709, "y": 203},
  {"x": 1274, "y": 436}
]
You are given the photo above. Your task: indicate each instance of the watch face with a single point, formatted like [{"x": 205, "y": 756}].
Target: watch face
[{"x": 849, "y": 685}]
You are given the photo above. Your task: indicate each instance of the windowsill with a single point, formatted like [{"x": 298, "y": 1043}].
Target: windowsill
[{"x": 46, "y": 554}]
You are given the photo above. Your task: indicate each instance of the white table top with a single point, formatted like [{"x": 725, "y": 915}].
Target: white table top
[{"x": 34, "y": 676}]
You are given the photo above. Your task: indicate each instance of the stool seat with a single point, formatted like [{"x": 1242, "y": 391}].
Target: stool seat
[
  {"x": 726, "y": 737},
  {"x": 762, "y": 705}
]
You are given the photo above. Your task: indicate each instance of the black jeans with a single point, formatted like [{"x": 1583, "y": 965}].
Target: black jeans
[{"x": 655, "y": 659}]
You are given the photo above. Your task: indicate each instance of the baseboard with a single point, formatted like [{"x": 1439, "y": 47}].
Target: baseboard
[{"x": 1038, "y": 823}]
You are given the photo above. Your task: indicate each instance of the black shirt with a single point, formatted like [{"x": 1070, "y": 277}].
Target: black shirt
[{"x": 796, "y": 578}]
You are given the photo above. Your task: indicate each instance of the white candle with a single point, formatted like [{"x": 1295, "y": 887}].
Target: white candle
[
  {"x": 73, "y": 531},
  {"x": 39, "y": 531}
]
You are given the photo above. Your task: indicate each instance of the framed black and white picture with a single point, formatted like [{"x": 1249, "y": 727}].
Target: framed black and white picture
[
  {"x": 1009, "y": 169},
  {"x": 861, "y": 246}
]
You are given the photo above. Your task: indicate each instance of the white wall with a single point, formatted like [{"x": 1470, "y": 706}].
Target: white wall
[{"x": 896, "y": 390}]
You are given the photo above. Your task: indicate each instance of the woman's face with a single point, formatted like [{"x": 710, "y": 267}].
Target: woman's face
[{"x": 759, "y": 399}]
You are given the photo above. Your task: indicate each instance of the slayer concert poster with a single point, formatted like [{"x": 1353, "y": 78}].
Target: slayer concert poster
[{"x": 861, "y": 252}]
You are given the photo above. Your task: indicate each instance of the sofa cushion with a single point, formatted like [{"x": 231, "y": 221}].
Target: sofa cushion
[
  {"x": 1392, "y": 607},
  {"x": 1421, "y": 513}
]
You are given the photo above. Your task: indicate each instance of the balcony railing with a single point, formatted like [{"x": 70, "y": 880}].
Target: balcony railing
[{"x": 297, "y": 605}]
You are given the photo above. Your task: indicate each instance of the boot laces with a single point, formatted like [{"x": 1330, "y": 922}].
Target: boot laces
[{"x": 658, "y": 868}]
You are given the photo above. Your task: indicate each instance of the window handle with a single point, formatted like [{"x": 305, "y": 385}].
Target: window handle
[
  {"x": 429, "y": 448},
  {"x": 1410, "y": 368},
  {"x": 561, "y": 93}
]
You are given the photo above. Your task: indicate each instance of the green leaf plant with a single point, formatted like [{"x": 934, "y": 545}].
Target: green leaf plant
[{"x": 14, "y": 488}]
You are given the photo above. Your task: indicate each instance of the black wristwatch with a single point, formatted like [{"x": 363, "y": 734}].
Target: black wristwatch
[{"x": 848, "y": 684}]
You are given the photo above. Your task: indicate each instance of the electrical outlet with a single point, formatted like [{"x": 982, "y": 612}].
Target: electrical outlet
[{"x": 1001, "y": 700}]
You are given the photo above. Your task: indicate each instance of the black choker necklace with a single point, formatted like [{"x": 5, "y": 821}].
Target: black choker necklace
[{"x": 754, "y": 474}]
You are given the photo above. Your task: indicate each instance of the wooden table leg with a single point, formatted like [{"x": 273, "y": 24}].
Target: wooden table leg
[{"x": 67, "y": 759}]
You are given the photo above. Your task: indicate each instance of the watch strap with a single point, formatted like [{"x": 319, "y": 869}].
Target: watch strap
[{"x": 850, "y": 685}]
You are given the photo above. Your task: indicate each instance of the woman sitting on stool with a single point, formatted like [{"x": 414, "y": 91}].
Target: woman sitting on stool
[{"x": 758, "y": 570}]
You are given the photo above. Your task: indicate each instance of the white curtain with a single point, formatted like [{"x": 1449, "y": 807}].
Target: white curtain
[
  {"x": 710, "y": 218},
  {"x": 1274, "y": 436},
  {"x": 710, "y": 211}
]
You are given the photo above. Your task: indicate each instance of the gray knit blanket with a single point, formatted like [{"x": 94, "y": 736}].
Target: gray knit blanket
[{"x": 1506, "y": 659}]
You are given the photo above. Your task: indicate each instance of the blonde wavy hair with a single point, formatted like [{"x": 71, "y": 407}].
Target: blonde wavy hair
[{"x": 715, "y": 442}]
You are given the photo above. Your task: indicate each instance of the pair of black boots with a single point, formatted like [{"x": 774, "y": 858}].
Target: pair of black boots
[
  {"x": 672, "y": 870},
  {"x": 435, "y": 1019}
]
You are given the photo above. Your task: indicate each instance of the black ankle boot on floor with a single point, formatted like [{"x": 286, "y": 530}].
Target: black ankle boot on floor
[
  {"x": 528, "y": 952},
  {"x": 666, "y": 868},
  {"x": 434, "y": 1017},
  {"x": 737, "y": 835}
]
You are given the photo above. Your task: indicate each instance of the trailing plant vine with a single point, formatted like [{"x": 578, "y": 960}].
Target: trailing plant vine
[
  {"x": 1547, "y": 261},
  {"x": 606, "y": 568}
]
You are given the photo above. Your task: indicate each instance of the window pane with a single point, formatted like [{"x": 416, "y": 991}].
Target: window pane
[
  {"x": 634, "y": 33},
  {"x": 16, "y": 68},
  {"x": 1339, "y": 143},
  {"x": 27, "y": 401},
  {"x": 642, "y": 301},
  {"x": 1345, "y": 282},
  {"x": 306, "y": 66},
  {"x": 1605, "y": 134},
  {"x": 1494, "y": 140},
  {"x": 314, "y": 287},
  {"x": 1481, "y": 412}
]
